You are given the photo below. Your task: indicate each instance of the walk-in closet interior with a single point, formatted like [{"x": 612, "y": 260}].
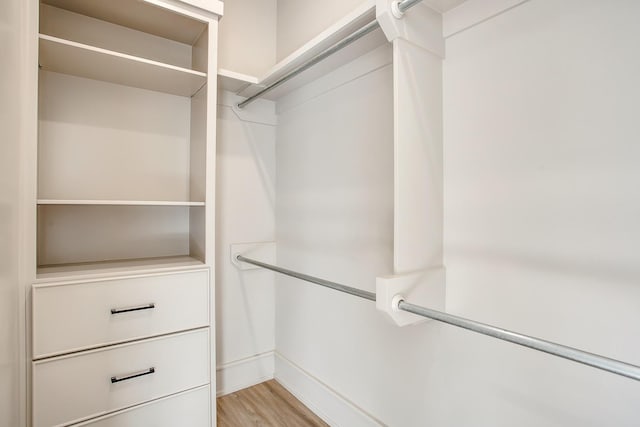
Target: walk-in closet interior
[{"x": 389, "y": 213}]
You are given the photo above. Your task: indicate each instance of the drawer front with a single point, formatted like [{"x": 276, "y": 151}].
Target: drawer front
[
  {"x": 83, "y": 385},
  {"x": 78, "y": 316},
  {"x": 191, "y": 408}
]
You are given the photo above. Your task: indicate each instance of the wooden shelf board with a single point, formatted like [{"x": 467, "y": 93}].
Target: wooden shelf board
[
  {"x": 68, "y": 57},
  {"x": 142, "y": 16},
  {"x": 113, "y": 268},
  {"x": 234, "y": 82},
  {"x": 349, "y": 24},
  {"x": 118, "y": 202}
]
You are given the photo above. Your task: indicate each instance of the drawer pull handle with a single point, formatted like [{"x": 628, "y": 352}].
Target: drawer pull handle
[
  {"x": 132, "y": 376},
  {"x": 128, "y": 309}
]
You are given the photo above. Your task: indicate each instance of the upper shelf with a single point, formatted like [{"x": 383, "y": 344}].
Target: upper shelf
[
  {"x": 118, "y": 202},
  {"x": 117, "y": 267},
  {"x": 234, "y": 82},
  {"x": 246, "y": 85},
  {"x": 68, "y": 57},
  {"x": 143, "y": 16}
]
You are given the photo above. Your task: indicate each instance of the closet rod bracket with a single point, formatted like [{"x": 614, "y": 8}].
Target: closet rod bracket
[
  {"x": 395, "y": 10},
  {"x": 426, "y": 286}
]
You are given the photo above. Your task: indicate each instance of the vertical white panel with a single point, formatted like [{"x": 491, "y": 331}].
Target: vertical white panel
[
  {"x": 418, "y": 157},
  {"x": 10, "y": 107},
  {"x": 198, "y": 153},
  {"x": 209, "y": 219}
]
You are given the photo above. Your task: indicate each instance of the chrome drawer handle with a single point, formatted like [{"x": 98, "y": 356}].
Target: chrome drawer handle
[
  {"x": 128, "y": 309},
  {"x": 132, "y": 376}
]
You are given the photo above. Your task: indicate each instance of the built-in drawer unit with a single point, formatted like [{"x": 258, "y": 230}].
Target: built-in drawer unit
[
  {"x": 74, "y": 316},
  {"x": 189, "y": 409},
  {"x": 88, "y": 384}
]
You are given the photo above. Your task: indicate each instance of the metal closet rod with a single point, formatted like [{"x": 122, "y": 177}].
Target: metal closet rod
[
  {"x": 402, "y": 6},
  {"x": 594, "y": 360},
  {"x": 326, "y": 283}
]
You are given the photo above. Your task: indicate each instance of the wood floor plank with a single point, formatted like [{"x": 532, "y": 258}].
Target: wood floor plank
[{"x": 265, "y": 405}]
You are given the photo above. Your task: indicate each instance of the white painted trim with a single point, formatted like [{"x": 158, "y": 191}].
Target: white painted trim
[
  {"x": 333, "y": 408},
  {"x": 240, "y": 374},
  {"x": 473, "y": 12}
]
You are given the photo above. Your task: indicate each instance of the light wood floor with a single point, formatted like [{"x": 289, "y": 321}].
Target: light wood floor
[{"x": 266, "y": 405}]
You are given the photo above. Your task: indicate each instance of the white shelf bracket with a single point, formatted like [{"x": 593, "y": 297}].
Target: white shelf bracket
[{"x": 263, "y": 251}]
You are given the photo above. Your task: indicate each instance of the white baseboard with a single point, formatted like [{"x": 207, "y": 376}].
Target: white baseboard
[
  {"x": 334, "y": 409},
  {"x": 244, "y": 373}
]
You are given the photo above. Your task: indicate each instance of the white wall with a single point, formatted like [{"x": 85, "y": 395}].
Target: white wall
[
  {"x": 541, "y": 205},
  {"x": 247, "y": 36},
  {"x": 245, "y": 209},
  {"x": 541, "y": 209},
  {"x": 9, "y": 216},
  {"x": 334, "y": 219},
  {"x": 299, "y": 21},
  {"x": 255, "y": 34}
]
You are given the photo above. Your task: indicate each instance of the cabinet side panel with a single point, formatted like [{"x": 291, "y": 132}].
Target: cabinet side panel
[
  {"x": 198, "y": 154},
  {"x": 198, "y": 146},
  {"x": 10, "y": 77},
  {"x": 210, "y": 154},
  {"x": 200, "y": 52}
]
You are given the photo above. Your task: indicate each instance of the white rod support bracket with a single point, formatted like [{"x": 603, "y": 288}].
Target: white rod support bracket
[
  {"x": 395, "y": 10},
  {"x": 395, "y": 302},
  {"x": 420, "y": 25},
  {"x": 265, "y": 251},
  {"x": 426, "y": 287}
]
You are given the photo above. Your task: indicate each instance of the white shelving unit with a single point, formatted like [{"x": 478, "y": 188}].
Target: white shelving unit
[
  {"x": 123, "y": 207},
  {"x": 122, "y": 151}
]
